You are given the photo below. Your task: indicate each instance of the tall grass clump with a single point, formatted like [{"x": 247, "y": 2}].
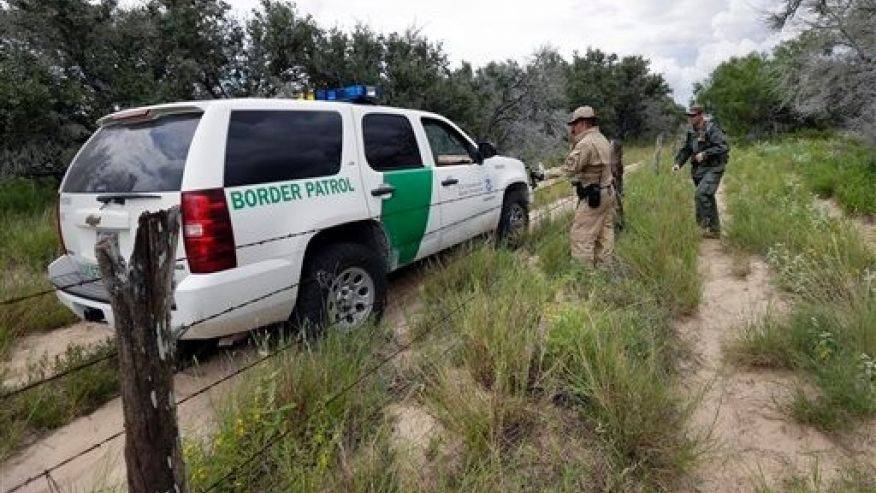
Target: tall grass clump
[
  {"x": 326, "y": 445},
  {"x": 828, "y": 269},
  {"x": 28, "y": 243},
  {"x": 660, "y": 243},
  {"x": 612, "y": 372},
  {"x": 592, "y": 346}
]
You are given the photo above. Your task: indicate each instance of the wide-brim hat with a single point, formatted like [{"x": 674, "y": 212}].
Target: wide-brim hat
[
  {"x": 581, "y": 113},
  {"x": 694, "y": 110}
]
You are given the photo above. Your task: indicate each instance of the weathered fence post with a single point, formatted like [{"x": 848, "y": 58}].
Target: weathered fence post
[
  {"x": 657, "y": 152},
  {"x": 140, "y": 293}
]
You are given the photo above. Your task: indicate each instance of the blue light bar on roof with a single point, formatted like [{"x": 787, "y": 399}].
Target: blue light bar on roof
[{"x": 350, "y": 94}]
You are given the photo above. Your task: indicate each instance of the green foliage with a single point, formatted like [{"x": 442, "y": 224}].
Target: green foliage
[
  {"x": 825, "y": 264},
  {"x": 29, "y": 243},
  {"x": 67, "y": 63},
  {"x": 629, "y": 99},
  {"x": 743, "y": 94},
  {"x": 55, "y": 404},
  {"x": 841, "y": 168}
]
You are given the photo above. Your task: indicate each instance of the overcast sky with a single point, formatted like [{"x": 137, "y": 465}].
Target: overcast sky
[{"x": 684, "y": 39}]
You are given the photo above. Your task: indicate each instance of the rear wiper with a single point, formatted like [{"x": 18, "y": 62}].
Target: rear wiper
[{"x": 119, "y": 198}]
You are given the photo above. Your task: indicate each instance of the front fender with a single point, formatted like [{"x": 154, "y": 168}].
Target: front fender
[{"x": 509, "y": 171}]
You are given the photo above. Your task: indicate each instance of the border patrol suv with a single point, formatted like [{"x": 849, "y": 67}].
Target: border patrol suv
[{"x": 302, "y": 205}]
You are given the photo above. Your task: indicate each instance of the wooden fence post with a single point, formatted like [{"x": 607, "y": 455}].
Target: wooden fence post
[
  {"x": 140, "y": 293},
  {"x": 657, "y": 152}
]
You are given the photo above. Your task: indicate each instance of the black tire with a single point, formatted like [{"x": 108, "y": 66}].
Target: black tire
[
  {"x": 514, "y": 221},
  {"x": 321, "y": 271}
]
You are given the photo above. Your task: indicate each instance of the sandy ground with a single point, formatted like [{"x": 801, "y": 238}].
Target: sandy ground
[
  {"x": 751, "y": 439},
  {"x": 30, "y": 349}
]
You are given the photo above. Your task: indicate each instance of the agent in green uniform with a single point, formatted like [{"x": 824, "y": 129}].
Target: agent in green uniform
[{"x": 706, "y": 146}]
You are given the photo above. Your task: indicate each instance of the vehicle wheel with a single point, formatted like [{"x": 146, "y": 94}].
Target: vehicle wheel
[
  {"x": 514, "y": 221},
  {"x": 341, "y": 286}
]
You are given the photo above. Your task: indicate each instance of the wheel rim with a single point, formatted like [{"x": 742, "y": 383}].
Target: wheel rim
[
  {"x": 350, "y": 298},
  {"x": 516, "y": 220}
]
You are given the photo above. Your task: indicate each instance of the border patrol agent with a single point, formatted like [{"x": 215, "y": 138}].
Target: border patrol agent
[
  {"x": 589, "y": 166},
  {"x": 706, "y": 146}
]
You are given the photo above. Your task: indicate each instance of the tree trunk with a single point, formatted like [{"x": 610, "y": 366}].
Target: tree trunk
[{"x": 140, "y": 295}]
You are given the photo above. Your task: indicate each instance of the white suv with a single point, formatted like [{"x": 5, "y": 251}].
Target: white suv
[{"x": 302, "y": 205}]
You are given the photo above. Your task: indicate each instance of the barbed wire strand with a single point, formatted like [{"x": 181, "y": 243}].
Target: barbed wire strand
[{"x": 372, "y": 370}]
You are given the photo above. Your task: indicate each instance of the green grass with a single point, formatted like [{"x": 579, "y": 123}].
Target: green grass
[
  {"x": 541, "y": 375},
  {"x": 56, "y": 403},
  {"x": 548, "y": 194},
  {"x": 825, "y": 265},
  {"x": 28, "y": 243},
  {"x": 836, "y": 166},
  {"x": 287, "y": 397},
  {"x": 850, "y": 478}
]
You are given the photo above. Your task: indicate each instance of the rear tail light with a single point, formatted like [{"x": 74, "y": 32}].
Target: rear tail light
[
  {"x": 207, "y": 232},
  {"x": 58, "y": 226}
]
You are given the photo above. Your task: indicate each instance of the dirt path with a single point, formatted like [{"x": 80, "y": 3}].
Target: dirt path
[
  {"x": 866, "y": 226},
  {"x": 752, "y": 439},
  {"x": 30, "y": 349}
]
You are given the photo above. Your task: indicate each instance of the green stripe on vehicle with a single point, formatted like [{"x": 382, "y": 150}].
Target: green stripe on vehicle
[{"x": 406, "y": 214}]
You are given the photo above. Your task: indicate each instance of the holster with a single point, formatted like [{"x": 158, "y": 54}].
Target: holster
[{"x": 591, "y": 193}]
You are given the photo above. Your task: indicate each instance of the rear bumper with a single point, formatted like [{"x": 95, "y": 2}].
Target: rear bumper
[{"x": 198, "y": 298}]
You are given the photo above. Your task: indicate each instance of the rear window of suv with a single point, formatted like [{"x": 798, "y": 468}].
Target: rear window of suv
[
  {"x": 134, "y": 157},
  {"x": 269, "y": 146}
]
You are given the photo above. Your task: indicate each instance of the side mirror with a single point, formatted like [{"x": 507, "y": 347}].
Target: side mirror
[
  {"x": 487, "y": 150},
  {"x": 538, "y": 173}
]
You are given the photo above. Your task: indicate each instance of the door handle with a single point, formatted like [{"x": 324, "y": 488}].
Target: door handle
[
  {"x": 383, "y": 189},
  {"x": 449, "y": 181}
]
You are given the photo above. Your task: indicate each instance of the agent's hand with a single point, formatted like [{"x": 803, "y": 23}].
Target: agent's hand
[
  {"x": 699, "y": 157},
  {"x": 676, "y": 167}
]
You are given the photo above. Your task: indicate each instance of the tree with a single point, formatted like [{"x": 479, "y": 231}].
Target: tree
[
  {"x": 283, "y": 50},
  {"x": 830, "y": 71},
  {"x": 743, "y": 94},
  {"x": 624, "y": 93}
]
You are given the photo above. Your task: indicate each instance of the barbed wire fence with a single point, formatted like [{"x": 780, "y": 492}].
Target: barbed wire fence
[{"x": 46, "y": 473}]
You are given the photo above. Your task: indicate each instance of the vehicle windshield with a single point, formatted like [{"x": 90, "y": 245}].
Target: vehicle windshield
[{"x": 136, "y": 157}]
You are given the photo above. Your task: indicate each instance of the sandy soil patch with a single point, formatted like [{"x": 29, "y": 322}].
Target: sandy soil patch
[
  {"x": 30, "y": 349},
  {"x": 751, "y": 437}
]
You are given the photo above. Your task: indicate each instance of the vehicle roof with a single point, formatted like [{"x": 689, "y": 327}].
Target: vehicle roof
[{"x": 245, "y": 103}]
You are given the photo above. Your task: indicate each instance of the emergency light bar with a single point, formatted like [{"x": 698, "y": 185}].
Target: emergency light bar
[{"x": 350, "y": 94}]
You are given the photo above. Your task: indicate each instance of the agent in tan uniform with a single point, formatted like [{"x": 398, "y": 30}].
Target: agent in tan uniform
[{"x": 589, "y": 167}]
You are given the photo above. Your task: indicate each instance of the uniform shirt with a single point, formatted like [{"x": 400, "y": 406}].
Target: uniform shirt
[
  {"x": 711, "y": 141},
  {"x": 589, "y": 161}
]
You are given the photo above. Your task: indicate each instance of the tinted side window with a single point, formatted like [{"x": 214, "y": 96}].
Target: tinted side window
[
  {"x": 390, "y": 143},
  {"x": 268, "y": 146},
  {"x": 136, "y": 157},
  {"x": 448, "y": 147}
]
